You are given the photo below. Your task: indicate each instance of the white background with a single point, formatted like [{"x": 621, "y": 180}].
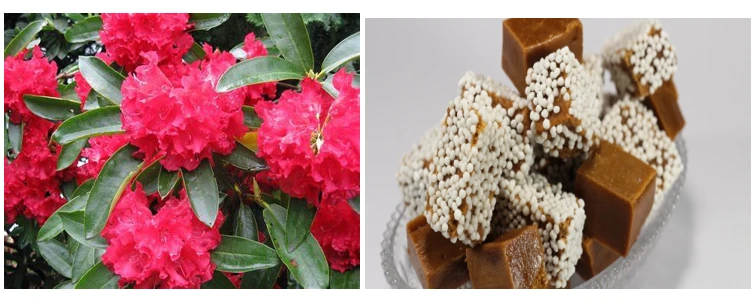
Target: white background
[{"x": 412, "y": 71}]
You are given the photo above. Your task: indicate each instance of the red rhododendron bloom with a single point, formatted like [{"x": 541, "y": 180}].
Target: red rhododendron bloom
[
  {"x": 259, "y": 92},
  {"x": 309, "y": 138},
  {"x": 182, "y": 116},
  {"x": 97, "y": 154},
  {"x": 82, "y": 86},
  {"x": 166, "y": 250},
  {"x": 32, "y": 186},
  {"x": 35, "y": 76},
  {"x": 128, "y": 36},
  {"x": 337, "y": 229}
]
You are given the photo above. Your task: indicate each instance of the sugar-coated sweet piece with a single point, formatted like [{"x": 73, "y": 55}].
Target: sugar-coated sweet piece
[
  {"x": 525, "y": 41},
  {"x": 516, "y": 259},
  {"x": 465, "y": 173},
  {"x": 640, "y": 58},
  {"x": 438, "y": 262},
  {"x": 413, "y": 173},
  {"x": 518, "y": 138},
  {"x": 594, "y": 66},
  {"x": 595, "y": 258},
  {"x": 664, "y": 104},
  {"x": 564, "y": 105},
  {"x": 631, "y": 125},
  {"x": 619, "y": 189},
  {"x": 559, "y": 215}
]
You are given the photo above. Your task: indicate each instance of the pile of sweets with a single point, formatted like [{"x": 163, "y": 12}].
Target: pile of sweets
[{"x": 522, "y": 190}]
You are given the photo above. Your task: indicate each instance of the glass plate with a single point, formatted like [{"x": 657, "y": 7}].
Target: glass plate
[{"x": 399, "y": 271}]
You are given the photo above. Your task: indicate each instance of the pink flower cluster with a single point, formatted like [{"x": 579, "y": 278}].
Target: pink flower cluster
[
  {"x": 35, "y": 76},
  {"x": 337, "y": 229}
]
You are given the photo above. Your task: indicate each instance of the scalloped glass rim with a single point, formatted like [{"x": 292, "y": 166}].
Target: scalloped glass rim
[{"x": 399, "y": 272}]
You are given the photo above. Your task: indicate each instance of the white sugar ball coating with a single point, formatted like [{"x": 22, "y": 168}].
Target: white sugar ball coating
[
  {"x": 634, "y": 127},
  {"x": 648, "y": 50},
  {"x": 545, "y": 204},
  {"x": 413, "y": 174}
]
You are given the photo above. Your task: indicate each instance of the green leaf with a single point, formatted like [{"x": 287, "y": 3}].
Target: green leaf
[
  {"x": 250, "y": 118},
  {"x": 54, "y": 224},
  {"x": 300, "y": 216},
  {"x": 218, "y": 281},
  {"x": 51, "y": 108},
  {"x": 289, "y": 33},
  {"x": 68, "y": 91},
  {"x": 96, "y": 122},
  {"x": 258, "y": 70},
  {"x": 307, "y": 263},
  {"x": 24, "y": 38},
  {"x": 73, "y": 223},
  {"x": 236, "y": 254},
  {"x": 201, "y": 187},
  {"x": 355, "y": 204},
  {"x": 101, "y": 77},
  {"x": 347, "y": 280},
  {"x": 69, "y": 153},
  {"x": 167, "y": 181},
  {"x": 56, "y": 254},
  {"x": 15, "y": 136},
  {"x": 83, "y": 189},
  {"x": 67, "y": 189},
  {"x": 195, "y": 53},
  {"x": 343, "y": 52},
  {"x": 98, "y": 277},
  {"x": 84, "y": 258},
  {"x": 271, "y": 49},
  {"x": 261, "y": 279},
  {"x": 116, "y": 174},
  {"x": 245, "y": 225},
  {"x": 245, "y": 159},
  {"x": 206, "y": 21},
  {"x": 92, "y": 100},
  {"x": 67, "y": 284},
  {"x": 149, "y": 178},
  {"x": 85, "y": 30},
  {"x": 76, "y": 17}
]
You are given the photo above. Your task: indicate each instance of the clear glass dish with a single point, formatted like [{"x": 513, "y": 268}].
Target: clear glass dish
[{"x": 399, "y": 271}]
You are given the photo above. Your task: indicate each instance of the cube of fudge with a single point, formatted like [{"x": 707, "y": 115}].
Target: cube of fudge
[
  {"x": 595, "y": 258},
  {"x": 516, "y": 259},
  {"x": 525, "y": 41},
  {"x": 438, "y": 262},
  {"x": 663, "y": 103},
  {"x": 618, "y": 190}
]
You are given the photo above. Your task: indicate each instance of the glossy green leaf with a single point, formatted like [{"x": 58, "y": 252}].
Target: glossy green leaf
[
  {"x": 343, "y": 52},
  {"x": 84, "y": 258},
  {"x": 307, "y": 263},
  {"x": 195, "y": 53},
  {"x": 102, "y": 78},
  {"x": 347, "y": 280},
  {"x": 73, "y": 223},
  {"x": 250, "y": 118},
  {"x": 84, "y": 31},
  {"x": 24, "y": 38},
  {"x": 67, "y": 188},
  {"x": 92, "y": 100},
  {"x": 167, "y": 181},
  {"x": 67, "y": 284},
  {"x": 116, "y": 174},
  {"x": 289, "y": 33},
  {"x": 355, "y": 203},
  {"x": 149, "y": 178},
  {"x": 83, "y": 189},
  {"x": 52, "y": 108},
  {"x": 68, "y": 91},
  {"x": 206, "y": 21},
  {"x": 299, "y": 219},
  {"x": 57, "y": 255},
  {"x": 261, "y": 279},
  {"x": 258, "y": 70},
  {"x": 54, "y": 224},
  {"x": 202, "y": 190},
  {"x": 97, "y": 122},
  {"x": 218, "y": 281},
  {"x": 69, "y": 153},
  {"x": 245, "y": 224},
  {"x": 236, "y": 254},
  {"x": 15, "y": 136},
  {"x": 245, "y": 159},
  {"x": 76, "y": 17},
  {"x": 98, "y": 277}
]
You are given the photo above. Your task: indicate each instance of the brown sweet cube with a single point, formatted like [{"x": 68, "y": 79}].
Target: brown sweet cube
[
  {"x": 438, "y": 262},
  {"x": 595, "y": 258},
  {"x": 516, "y": 259},
  {"x": 525, "y": 41},
  {"x": 618, "y": 190},
  {"x": 664, "y": 104}
]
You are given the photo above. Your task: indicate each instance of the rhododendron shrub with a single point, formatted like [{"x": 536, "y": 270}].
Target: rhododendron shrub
[{"x": 154, "y": 155}]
